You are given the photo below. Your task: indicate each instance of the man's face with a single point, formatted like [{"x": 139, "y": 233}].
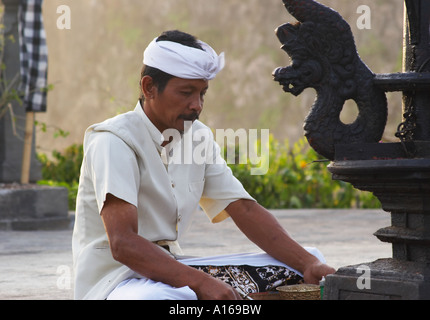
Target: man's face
[{"x": 182, "y": 100}]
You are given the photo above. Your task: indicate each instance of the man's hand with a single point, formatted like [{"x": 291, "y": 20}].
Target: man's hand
[
  {"x": 211, "y": 288},
  {"x": 316, "y": 271},
  {"x": 261, "y": 227}
]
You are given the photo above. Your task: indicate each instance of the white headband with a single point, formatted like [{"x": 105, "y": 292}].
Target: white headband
[{"x": 183, "y": 61}]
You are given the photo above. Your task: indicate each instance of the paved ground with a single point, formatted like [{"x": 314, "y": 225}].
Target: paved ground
[{"x": 38, "y": 265}]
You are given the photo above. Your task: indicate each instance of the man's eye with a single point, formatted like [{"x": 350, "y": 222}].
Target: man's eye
[{"x": 186, "y": 93}]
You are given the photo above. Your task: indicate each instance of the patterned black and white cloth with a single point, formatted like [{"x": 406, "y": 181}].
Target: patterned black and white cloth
[
  {"x": 33, "y": 55},
  {"x": 250, "y": 279},
  {"x": 250, "y": 273}
]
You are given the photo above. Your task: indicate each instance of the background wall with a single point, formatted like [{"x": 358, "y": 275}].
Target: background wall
[{"x": 95, "y": 65}]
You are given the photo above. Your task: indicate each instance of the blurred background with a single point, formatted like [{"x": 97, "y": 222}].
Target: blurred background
[
  {"x": 94, "y": 73},
  {"x": 94, "y": 66}
]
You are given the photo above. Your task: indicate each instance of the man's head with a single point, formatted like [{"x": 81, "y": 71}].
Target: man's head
[
  {"x": 159, "y": 77},
  {"x": 174, "y": 79}
]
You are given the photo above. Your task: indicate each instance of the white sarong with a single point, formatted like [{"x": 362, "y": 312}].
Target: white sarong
[{"x": 146, "y": 289}]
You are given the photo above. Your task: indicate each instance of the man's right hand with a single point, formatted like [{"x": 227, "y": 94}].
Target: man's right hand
[{"x": 210, "y": 288}]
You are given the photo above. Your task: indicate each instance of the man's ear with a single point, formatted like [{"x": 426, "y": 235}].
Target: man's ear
[{"x": 148, "y": 87}]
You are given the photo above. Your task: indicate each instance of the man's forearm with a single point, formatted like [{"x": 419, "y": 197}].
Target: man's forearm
[
  {"x": 262, "y": 228},
  {"x": 150, "y": 261},
  {"x": 147, "y": 259}
]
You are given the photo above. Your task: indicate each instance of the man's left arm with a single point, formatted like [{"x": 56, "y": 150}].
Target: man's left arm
[{"x": 262, "y": 228}]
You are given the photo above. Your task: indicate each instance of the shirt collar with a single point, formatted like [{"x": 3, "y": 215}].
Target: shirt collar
[
  {"x": 158, "y": 138},
  {"x": 155, "y": 134}
]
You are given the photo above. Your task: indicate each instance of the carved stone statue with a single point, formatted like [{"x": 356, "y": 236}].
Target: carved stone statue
[{"x": 324, "y": 57}]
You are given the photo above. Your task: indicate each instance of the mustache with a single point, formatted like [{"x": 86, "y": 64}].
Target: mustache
[{"x": 190, "y": 117}]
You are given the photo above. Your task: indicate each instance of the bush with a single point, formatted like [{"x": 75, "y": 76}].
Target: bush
[
  {"x": 297, "y": 178},
  {"x": 63, "y": 170}
]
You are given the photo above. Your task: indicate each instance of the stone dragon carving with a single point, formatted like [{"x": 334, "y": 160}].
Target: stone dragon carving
[{"x": 324, "y": 57}]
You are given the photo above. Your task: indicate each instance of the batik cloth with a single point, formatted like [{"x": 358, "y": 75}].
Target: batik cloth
[
  {"x": 250, "y": 279},
  {"x": 33, "y": 55}
]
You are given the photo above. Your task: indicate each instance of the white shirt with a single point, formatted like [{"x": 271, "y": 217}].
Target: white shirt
[{"x": 123, "y": 157}]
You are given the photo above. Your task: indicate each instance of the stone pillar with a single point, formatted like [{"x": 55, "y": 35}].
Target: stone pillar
[
  {"x": 417, "y": 59},
  {"x": 402, "y": 185}
]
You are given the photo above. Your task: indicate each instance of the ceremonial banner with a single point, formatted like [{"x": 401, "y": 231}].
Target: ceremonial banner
[{"x": 33, "y": 55}]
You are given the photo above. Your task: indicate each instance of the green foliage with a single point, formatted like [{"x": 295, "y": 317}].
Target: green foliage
[
  {"x": 298, "y": 178},
  {"x": 63, "y": 170}
]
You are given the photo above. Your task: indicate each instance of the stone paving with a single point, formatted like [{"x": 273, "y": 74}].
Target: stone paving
[{"x": 37, "y": 265}]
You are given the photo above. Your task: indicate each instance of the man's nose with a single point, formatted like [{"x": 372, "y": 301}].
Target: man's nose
[{"x": 197, "y": 104}]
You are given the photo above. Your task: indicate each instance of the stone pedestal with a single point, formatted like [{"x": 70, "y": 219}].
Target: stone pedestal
[
  {"x": 22, "y": 207},
  {"x": 403, "y": 187},
  {"x": 33, "y": 207},
  {"x": 390, "y": 279}
]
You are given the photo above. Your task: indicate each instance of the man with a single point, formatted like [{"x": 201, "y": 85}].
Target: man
[{"x": 134, "y": 203}]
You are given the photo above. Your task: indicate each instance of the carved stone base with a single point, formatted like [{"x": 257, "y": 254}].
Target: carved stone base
[
  {"x": 402, "y": 185},
  {"x": 389, "y": 279}
]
